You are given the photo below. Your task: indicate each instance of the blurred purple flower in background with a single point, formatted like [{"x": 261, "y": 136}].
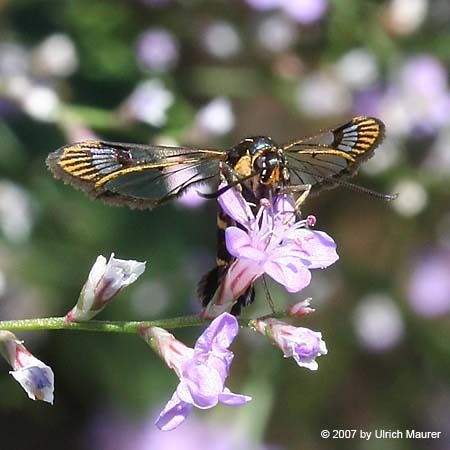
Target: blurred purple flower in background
[
  {"x": 263, "y": 5},
  {"x": 16, "y": 212},
  {"x": 425, "y": 75},
  {"x": 429, "y": 285},
  {"x": 149, "y": 103},
  {"x": 157, "y": 50},
  {"x": 357, "y": 68},
  {"x": 417, "y": 99},
  {"x": 55, "y": 56},
  {"x": 14, "y": 60},
  {"x": 321, "y": 94},
  {"x": 424, "y": 82},
  {"x": 221, "y": 39},
  {"x": 41, "y": 102},
  {"x": 303, "y": 11},
  {"x": 111, "y": 431},
  {"x": 378, "y": 322},
  {"x": 277, "y": 33},
  {"x": 29, "y": 78},
  {"x": 412, "y": 197},
  {"x": 216, "y": 117},
  {"x": 368, "y": 101}
]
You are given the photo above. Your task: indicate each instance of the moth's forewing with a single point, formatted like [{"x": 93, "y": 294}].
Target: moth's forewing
[
  {"x": 335, "y": 154},
  {"x": 135, "y": 175}
]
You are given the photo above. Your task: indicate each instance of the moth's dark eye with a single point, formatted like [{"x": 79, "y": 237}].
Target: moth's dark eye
[{"x": 259, "y": 163}]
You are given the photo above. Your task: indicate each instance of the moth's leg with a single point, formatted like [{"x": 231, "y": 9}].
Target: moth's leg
[
  {"x": 267, "y": 294},
  {"x": 305, "y": 190}
]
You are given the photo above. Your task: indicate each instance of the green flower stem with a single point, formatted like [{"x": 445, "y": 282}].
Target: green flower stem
[{"x": 59, "y": 323}]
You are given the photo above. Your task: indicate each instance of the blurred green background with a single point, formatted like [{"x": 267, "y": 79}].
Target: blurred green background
[{"x": 207, "y": 74}]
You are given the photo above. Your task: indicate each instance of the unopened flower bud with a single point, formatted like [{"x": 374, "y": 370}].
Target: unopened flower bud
[
  {"x": 303, "y": 344},
  {"x": 300, "y": 309},
  {"x": 105, "y": 281}
]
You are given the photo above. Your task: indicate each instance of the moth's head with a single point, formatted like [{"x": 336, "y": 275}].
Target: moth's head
[{"x": 262, "y": 156}]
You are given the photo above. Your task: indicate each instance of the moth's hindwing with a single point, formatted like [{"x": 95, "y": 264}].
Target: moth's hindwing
[
  {"x": 85, "y": 163},
  {"x": 359, "y": 137},
  {"x": 333, "y": 155}
]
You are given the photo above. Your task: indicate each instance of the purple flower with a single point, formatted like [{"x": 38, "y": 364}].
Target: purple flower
[
  {"x": 216, "y": 118},
  {"x": 202, "y": 370},
  {"x": 305, "y": 11},
  {"x": 263, "y": 4},
  {"x": 424, "y": 81},
  {"x": 302, "y": 11},
  {"x": 109, "y": 429},
  {"x": 274, "y": 243},
  {"x": 424, "y": 75},
  {"x": 35, "y": 377},
  {"x": 271, "y": 243},
  {"x": 429, "y": 286},
  {"x": 157, "y": 50},
  {"x": 302, "y": 344},
  {"x": 149, "y": 103},
  {"x": 378, "y": 322},
  {"x": 417, "y": 99}
]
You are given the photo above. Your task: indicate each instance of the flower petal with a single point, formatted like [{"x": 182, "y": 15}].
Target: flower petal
[
  {"x": 119, "y": 273},
  {"x": 228, "y": 398},
  {"x": 308, "y": 346},
  {"x": 241, "y": 274},
  {"x": 240, "y": 245},
  {"x": 200, "y": 386},
  {"x": 219, "y": 334},
  {"x": 284, "y": 210},
  {"x": 37, "y": 381},
  {"x": 293, "y": 276},
  {"x": 174, "y": 414},
  {"x": 233, "y": 204},
  {"x": 318, "y": 248}
]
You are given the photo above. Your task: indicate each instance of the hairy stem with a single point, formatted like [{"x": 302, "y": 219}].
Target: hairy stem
[{"x": 60, "y": 323}]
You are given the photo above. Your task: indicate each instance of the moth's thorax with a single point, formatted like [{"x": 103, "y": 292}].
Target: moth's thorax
[{"x": 259, "y": 155}]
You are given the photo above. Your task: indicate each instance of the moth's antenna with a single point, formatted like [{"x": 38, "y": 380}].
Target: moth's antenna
[
  {"x": 347, "y": 184},
  {"x": 364, "y": 190}
]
